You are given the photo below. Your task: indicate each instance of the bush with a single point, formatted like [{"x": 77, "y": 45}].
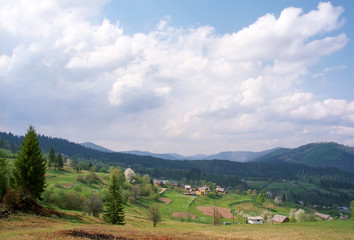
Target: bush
[
  {"x": 64, "y": 200},
  {"x": 301, "y": 216},
  {"x": 154, "y": 197},
  {"x": 19, "y": 200},
  {"x": 81, "y": 179}
]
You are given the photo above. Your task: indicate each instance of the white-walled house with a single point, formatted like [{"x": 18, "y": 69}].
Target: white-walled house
[{"x": 255, "y": 220}]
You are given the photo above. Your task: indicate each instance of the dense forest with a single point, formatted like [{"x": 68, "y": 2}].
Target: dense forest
[{"x": 222, "y": 172}]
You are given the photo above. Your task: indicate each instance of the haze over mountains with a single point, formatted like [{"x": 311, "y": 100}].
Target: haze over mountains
[
  {"x": 326, "y": 154},
  {"x": 238, "y": 156}
]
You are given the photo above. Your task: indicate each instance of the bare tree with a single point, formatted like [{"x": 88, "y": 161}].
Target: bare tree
[
  {"x": 216, "y": 216},
  {"x": 154, "y": 215}
]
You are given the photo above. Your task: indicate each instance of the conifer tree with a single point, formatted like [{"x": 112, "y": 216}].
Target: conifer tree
[
  {"x": 51, "y": 157},
  {"x": 114, "y": 209},
  {"x": 3, "y": 176},
  {"x": 59, "y": 161},
  {"x": 29, "y": 166}
]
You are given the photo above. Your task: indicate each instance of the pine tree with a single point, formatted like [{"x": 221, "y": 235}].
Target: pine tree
[
  {"x": 51, "y": 158},
  {"x": 59, "y": 161},
  {"x": 29, "y": 166},
  {"x": 114, "y": 210}
]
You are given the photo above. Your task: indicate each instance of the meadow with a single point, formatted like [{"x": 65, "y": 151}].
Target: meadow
[{"x": 75, "y": 224}]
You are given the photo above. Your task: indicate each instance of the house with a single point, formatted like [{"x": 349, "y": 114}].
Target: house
[
  {"x": 323, "y": 216},
  {"x": 175, "y": 184},
  {"x": 255, "y": 220},
  {"x": 160, "y": 182},
  {"x": 202, "y": 190},
  {"x": 279, "y": 219},
  {"x": 220, "y": 190},
  {"x": 344, "y": 209},
  {"x": 187, "y": 187}
]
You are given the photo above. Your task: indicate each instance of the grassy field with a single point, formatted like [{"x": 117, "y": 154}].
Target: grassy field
[
  {"x": 34, "y": 227},
  {"x": 76, "y": 225}
]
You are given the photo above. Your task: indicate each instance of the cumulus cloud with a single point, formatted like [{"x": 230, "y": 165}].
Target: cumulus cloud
[{"x": 171, "y": 89}]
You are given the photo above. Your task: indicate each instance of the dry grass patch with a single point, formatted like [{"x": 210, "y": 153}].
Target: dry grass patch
[
  {"x": 183, "y": 215},
  {"x": 165, "y": 200},
  {"x": 209, "y": 211}
]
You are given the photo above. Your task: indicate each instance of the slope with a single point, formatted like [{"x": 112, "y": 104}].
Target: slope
[{"x": 316, "y": 155}]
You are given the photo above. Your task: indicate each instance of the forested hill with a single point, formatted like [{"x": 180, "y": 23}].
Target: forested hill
[
  {"x": 273, "y": 167},
  {"x": 316, "y": 155}
]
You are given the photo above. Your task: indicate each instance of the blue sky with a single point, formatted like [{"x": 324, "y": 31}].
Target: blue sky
[{"x": 179, "y": 76}]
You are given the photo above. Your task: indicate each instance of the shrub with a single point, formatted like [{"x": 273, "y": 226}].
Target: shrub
[
  {"x": 154, "y": 197},
  {"x": 64, "y": 200},
  {"x": 301, "y": 216},
  {"x": 81, "y": 179}
]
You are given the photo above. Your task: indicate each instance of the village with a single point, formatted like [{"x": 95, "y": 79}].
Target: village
[{"x": 228, "y": 214}]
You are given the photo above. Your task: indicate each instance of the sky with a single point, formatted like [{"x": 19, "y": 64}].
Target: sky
[{"x": 187, "y": 77}]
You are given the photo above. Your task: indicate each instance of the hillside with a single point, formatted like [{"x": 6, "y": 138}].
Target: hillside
[
  {"x": 336, "y": 184},
  {"x": 184, "y": 217},
  {"x": 316, "y": 155},
  {"x": 95, "y": 147}
]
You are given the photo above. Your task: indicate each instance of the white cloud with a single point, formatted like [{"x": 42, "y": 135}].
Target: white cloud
[{"x": 171, "y": 87}]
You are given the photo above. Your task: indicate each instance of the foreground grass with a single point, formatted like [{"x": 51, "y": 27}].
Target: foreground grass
[{"x": 34, "y": 227}]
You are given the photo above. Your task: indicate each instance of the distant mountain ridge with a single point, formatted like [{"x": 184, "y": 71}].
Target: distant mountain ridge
[
  {"x": 327, "y": 154},
  {"x": 237, "y": 156},
  {"x": 95, "y": 146}
]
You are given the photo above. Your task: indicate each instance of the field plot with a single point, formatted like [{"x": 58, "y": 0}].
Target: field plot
[{"x": 210, "y": 211}]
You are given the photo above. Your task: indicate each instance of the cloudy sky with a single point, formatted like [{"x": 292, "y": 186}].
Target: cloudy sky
[{"x": 179, "y": 76}]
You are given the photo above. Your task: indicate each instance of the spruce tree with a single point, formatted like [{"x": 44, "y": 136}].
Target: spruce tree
[
  {"x": 59, "y": 161},
  {"x": 51, "y": 158},
  {"x": 30, "y": 166},
  {"x": 4, "y": 181},
  {"x": 114, "y": 209}
]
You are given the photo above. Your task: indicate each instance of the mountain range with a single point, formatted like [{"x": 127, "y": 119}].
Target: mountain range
[
  {"x": 237, "y": 156},
  {"x": 326, "y": 154}
]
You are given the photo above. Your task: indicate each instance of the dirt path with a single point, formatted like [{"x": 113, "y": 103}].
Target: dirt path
[
  {"x": 209, "y": 211},
  {"x": 163, "y": 190}
]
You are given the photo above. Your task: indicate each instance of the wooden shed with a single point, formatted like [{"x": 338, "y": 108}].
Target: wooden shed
[{"x": 279, "y": 219}]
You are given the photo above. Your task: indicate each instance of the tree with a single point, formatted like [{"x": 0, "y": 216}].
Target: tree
[
  {"x": 51, "y": 157},
  {"x": 154, "y": 215},
  {"x": 114, "y": 209},
  {"x": 3, "y": 177},
  {"x": 260, "y": 198},
  {"x": 129, "y": 174},
  {"x": 59, "y": 161},
  {"x": 352, "y": 208},
  {"x": 93, "y": 205},
  {"x": 277, "y": 200},
  {"x": 29, "y": 166}
]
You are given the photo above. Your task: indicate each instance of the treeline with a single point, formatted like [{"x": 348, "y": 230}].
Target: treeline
[{"x": 196, "y": 169}]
